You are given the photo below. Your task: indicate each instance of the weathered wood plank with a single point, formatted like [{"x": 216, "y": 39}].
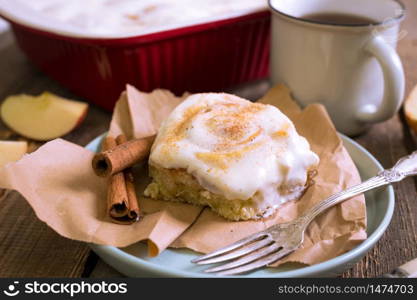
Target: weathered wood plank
[
  {"x": 29, "y": 248},
  {"x": 103, "y": 270}
]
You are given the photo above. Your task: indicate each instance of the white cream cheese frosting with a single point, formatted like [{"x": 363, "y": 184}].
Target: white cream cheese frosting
[
  {"x": 235, "y": 148},
  {"x": 142, "y": 16}
]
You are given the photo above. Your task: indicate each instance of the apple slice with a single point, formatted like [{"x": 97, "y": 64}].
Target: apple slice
[
  {"x": 410, "y": 109},
  {"x": 42, "y": 117},
  {"x": 11, "y": 151}
]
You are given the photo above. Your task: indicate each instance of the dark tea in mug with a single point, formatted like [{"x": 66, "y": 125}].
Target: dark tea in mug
[{"x": 339, "y": 18}]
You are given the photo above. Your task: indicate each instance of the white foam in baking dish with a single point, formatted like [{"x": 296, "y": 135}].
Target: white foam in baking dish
[{"x": 121, "y": 18}]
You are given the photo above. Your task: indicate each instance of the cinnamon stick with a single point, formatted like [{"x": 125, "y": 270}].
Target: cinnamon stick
[
  {"x": 117, "y": 200},
  {"x": 121, "y": 157},
  {"x": 133, "y": 205},
  {"x": 118, "y": 193}
]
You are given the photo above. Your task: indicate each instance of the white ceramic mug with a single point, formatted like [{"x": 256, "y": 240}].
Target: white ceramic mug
[{"x": 353, "y": 70}]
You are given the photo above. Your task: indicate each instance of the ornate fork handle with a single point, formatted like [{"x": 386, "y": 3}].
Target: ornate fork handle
[{"x": 406, "y": 166}]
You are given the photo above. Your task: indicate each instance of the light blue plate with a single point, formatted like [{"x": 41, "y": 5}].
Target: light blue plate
[{"x": 132, "y": 261}]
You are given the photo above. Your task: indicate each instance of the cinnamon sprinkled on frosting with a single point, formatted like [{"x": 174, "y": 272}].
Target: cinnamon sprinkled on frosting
[{"x": 234, "y": 147}]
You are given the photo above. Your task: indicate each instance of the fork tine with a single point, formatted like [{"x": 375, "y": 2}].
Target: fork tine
[
  {"x": 238, "y": 252},
  {"x": 257, "y": 264},
  {"x": 231, "y": 247},
  {"x": 246, "y": 259}
]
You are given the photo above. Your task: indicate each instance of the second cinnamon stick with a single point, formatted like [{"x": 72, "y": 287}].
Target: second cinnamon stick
[
  {"x": 123, "y": 156},
  {"x": 122, "y": 203},
  {"x": 117, "y": 200},
  {"x": 133, "y": 212}
]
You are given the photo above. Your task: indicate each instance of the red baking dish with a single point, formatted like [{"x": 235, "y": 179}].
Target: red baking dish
[{"x": 199, "y": 58}]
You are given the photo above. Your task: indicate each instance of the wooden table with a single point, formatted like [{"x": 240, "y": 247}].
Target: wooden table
[{"x": 29, "y": 248}]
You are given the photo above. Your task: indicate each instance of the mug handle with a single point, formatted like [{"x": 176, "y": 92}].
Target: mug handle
[{"x": 394, "y": 82}]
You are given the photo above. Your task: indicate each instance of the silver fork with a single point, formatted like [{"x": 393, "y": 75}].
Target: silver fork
[{"x": 272, "y": 244}]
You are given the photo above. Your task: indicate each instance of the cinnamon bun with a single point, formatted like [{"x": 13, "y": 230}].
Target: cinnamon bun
[{"x": 242, "y": 159}]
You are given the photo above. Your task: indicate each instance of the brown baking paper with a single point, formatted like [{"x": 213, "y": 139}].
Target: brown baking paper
[
  {"x": 138, "y": 115},
  {"x": 59, "y": 184}
]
